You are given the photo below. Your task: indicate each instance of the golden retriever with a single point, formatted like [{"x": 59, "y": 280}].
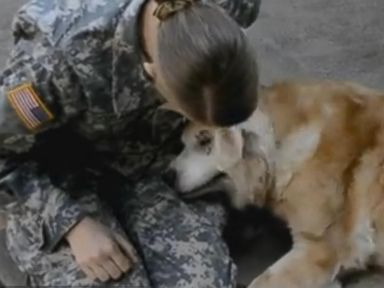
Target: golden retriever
[{"x": 313, "y": 153}]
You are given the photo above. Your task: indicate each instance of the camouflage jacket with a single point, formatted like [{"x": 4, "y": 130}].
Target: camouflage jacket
[{"x": 75, "y": 76}]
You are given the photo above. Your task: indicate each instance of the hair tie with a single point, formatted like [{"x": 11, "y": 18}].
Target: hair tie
[{"x": 167, "y": 8}]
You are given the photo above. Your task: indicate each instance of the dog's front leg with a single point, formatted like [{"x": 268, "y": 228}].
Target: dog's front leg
[{"x": 310, "y": 264}]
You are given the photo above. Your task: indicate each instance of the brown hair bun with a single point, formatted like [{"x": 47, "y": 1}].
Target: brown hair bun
[{"x": 167, "y": 8}]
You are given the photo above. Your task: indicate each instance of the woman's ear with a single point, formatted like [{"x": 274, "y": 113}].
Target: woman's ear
[{"x": 149, "y": 68}]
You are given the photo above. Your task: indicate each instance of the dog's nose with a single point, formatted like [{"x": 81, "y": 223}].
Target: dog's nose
[{"x": 170, "y": 177}]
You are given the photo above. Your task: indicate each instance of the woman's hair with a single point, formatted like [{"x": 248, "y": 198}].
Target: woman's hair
[{"x": 205, "y": 59}]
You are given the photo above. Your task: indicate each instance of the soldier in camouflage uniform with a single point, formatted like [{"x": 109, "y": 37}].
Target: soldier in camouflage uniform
[{"x": 82, "y": 137}]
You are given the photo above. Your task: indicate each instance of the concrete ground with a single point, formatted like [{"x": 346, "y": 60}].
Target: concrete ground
[{"x": 341, "y": 39}]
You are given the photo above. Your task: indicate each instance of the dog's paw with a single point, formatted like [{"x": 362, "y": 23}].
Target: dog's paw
[{"x": 264, "y": 283}]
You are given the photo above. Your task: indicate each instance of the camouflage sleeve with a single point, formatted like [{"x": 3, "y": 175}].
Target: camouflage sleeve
[
  {"x": 245, "y": 12},
  {"x": 37, "y": 197},
  {"x": 38, "y": 93}
]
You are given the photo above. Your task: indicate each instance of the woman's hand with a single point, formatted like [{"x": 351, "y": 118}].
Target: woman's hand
[{"x": 101, "y": 253}]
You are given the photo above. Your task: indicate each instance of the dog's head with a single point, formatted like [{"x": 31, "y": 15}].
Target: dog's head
[{"x": 226, "y": 159}]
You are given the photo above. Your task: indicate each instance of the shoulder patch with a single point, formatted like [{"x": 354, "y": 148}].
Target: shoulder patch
[{"x": 29, "y": 107}]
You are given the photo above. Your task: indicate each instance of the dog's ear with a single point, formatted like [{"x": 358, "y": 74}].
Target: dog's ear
[
  {"x": 251, "y": 144},
  {"x": 228, "y": 147},
  {"x": 251, "y": 176}
]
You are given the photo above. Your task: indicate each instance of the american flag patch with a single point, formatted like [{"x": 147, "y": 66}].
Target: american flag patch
[{"x": 29, "y": 107}]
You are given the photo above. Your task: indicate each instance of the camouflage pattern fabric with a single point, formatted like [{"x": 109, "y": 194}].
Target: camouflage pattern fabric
[
  {"x": 180, "y": 244},
  {"x": 82, "y": 62}
]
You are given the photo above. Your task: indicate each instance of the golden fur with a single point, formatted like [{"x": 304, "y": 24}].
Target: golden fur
[{"x": 314, "y": 154}]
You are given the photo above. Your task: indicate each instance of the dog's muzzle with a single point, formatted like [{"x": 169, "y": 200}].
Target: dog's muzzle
[{"x": 218, "y": 184}]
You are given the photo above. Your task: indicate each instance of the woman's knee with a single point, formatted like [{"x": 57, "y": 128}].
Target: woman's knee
[{"x": 180, "y": 243}]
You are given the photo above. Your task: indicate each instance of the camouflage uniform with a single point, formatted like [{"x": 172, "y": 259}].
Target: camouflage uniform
[{"x": 97, "y": 135}]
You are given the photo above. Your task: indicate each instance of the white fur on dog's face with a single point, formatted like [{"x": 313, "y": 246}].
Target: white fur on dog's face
[
  {"x": 195, "y": 166},
  {"x": 207, "y": 153}
]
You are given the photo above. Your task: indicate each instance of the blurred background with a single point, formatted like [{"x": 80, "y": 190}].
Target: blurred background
[{"x": 341, "y": 39}]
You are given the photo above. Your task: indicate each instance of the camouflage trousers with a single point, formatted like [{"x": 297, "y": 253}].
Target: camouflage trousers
[{"x": 180, "y": 244}]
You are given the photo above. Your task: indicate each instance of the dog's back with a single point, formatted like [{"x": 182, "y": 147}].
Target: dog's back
[{"x": 330, "y": 142}]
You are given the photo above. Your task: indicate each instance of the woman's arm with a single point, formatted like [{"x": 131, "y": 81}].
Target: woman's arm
[
  {"x": 39, "y": 96},
  {"x": 34, "y": 101}
]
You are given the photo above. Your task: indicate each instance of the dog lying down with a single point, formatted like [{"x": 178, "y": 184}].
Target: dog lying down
[{"x": 314, "y": 154}]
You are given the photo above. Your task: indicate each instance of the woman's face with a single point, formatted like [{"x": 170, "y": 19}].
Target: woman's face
[
  {"x": 171, "y": 98},
  {"x": 151, "y": 66},
  {"x": 160, "y": 84}
]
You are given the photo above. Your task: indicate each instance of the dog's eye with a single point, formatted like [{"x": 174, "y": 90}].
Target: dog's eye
[
  {"x": 205, "y": 142},
  {"x": 204, "y": 138}
]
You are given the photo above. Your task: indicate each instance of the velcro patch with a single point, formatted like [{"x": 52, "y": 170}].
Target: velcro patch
[{"x": 29, "y": 107}]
